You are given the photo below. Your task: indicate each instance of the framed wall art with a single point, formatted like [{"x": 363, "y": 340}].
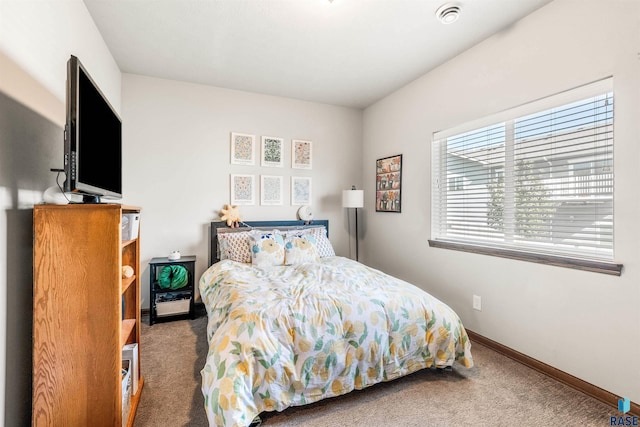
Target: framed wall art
[
  {"x": 243, "y": 189},
  {"x": 301, "y": 154},
  {"x": 300, "y": 190},
  {"x": 272, "y": 151},
  {"x": 270, "y": 190},
  {"x": 389, "y": 184},
  {"x": 242, "y": 149}
]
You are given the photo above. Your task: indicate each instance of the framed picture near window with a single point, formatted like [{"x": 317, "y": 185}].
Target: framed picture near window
[
  {"x": 242, "y": 149},
  {"x": 272, "y": 151},
  {"x": 301, "y": 154},
  {"x": 243, "y": 189},
  {"x": 389, "y": 184}
]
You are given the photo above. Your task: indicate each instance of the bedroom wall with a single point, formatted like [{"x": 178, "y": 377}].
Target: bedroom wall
[
  {"x": 177, "y": 161},
  {"x": 583, "y": 323},
  {"x": 36, "y": 40}
]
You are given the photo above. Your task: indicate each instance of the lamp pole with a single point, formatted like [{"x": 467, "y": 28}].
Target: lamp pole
[
  {"x": 356, "y": 211},
  {"x": 353, "y": 199}
]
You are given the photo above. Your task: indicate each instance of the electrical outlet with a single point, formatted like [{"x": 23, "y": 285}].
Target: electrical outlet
[{"x": 477, "y": 303}]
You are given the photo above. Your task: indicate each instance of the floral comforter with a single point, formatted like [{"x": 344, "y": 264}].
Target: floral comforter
[{"x": 291, "y": 335}]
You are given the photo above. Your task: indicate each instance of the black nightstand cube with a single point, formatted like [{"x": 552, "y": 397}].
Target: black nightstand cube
[{"x": 167, "y": 303}]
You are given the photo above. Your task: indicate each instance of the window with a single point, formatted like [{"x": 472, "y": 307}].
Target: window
[
  {"x": 538, "y": 182},
  {"x": 456, "y": 183}
]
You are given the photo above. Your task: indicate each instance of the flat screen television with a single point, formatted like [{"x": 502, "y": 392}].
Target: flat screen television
[{"x": 92, "y": 139}]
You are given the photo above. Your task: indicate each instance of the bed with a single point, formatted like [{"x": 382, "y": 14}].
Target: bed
[{"x": 288, "y": 335}]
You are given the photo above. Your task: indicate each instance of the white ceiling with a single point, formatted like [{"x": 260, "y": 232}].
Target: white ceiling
[{"x": 345, "y": 52}]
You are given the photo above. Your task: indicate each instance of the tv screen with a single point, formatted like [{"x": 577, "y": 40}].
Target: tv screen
[{"x": 93, "y": 139}]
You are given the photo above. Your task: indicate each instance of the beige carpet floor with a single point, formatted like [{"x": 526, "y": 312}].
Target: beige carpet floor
[{"x": 496, "y": 392}]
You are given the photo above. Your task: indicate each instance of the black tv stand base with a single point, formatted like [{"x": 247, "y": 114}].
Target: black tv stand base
[
  {"x": 86, "y": 198},
  {"x": 89, "y": 199}
]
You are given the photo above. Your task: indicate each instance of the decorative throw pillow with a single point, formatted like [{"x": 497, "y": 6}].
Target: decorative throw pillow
[
  {"x": 323, "y": 245},
  {"x": 267, "y": 248},
  {"x": 300, "y": 248},
  {"x": 235, "y": 246}
]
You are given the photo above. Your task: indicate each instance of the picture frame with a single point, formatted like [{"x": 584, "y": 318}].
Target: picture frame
[
  {"x": 301, "y": 154},
  {"x": 272, "y": 152},
  {"x": 389, "y": 184},
  {"x": 243, "y": 189},
  {"x": 300, "y": 190},
  {"x": 271, "y": 190},
  {"x": 242, "y": 149}
]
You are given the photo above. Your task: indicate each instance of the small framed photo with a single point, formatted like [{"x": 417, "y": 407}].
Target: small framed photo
[
  {"x": 270, "y": 190},
  {"x": 272, "y": 151},
  {"x": 301, "y": 154},
  {"x": 300, "y": 190},
  {"x": 242, "y": 149},
  {"x": 243, "y": 189},
  {"x": 389, "y": 184}
]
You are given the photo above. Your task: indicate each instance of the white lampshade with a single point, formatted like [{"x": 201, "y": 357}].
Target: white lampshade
[{"x": 352, "y": 198}]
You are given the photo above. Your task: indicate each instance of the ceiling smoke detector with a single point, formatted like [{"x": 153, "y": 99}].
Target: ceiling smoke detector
[{"x": 448, "y": 13}]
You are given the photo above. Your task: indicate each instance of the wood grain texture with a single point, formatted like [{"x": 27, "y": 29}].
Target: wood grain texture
[
  {"x": 126, "y": 282},
  {"x": 77, "y": 312}
]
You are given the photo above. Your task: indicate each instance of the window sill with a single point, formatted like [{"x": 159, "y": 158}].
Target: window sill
[{"x": 579, "y": 264}]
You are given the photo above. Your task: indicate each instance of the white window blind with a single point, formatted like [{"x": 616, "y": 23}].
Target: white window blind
[{"x": 536, "y": 179}]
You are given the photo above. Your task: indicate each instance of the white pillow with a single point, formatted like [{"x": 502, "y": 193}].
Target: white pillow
[
  {"x": 323, "y": 245},
  {"x": 300, "y": 249},
  {"x": 267, "y": 248}
]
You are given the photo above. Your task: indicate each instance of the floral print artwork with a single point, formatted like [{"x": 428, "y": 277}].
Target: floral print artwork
[
  {"x": 300, "y": 190},
  {"x": 290, "y": 335},
  {"x": 242, "y": 149},
  {"x": 272, "y": 151},
  {"x": 271, "y": 190},
  {"x": 301, "y": 156},
  {"x": 242, "y": 189}
]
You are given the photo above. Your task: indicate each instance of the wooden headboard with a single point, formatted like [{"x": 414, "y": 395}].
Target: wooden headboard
[{"x": 269, "y": 225}]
